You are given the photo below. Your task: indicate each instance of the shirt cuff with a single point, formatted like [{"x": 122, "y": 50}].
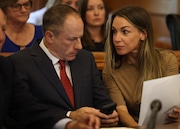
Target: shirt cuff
[
  {"x": 68, "y": 114},
  {"x": 61, "y": 124}
]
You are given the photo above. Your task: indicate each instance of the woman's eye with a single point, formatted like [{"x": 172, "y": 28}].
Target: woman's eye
[
  {"x": 89, "y": 8},
  {"x": 101, "y": 7},
  {"x": 125, "y": 31},
  {"x": 113, "y": 31}
]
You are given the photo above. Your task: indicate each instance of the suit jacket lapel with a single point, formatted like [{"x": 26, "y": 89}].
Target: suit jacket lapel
[
  {"x": 47, "y": 68},
  {"x": 76, "y": 79}
]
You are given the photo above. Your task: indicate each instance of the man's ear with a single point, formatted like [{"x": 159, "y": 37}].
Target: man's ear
[
  {"x": 143, "y": 35},
  {"x": 49, "y": 36}
]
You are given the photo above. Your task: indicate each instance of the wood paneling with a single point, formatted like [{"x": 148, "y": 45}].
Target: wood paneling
[
  {"x": 154, "y": 6},
  {"x": 161, "y": 7},
  {"x": 158, "y": 10}
]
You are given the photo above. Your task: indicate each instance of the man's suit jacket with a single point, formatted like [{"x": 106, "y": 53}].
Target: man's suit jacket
[
  {"x": 5, "y": 88},
  {"x": 18, "y": 105},
  {"x": 37, "y": 73}
]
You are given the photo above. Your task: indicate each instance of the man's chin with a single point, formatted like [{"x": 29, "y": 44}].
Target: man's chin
[{"x": 71, "y": 58}]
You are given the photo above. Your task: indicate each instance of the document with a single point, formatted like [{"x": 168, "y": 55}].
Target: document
[{"x": 167, "y": 91}]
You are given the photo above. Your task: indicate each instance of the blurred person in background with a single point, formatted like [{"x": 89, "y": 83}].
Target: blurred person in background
[
  {"x": 19, "y": 33},
  {"x": 72, "y": 3},
  {"x": 37, "y": 16},
  {"x": 94, "y": 14}
]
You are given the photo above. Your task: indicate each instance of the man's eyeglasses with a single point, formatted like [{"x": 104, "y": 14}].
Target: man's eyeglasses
[{"x": 18, "y": 7}]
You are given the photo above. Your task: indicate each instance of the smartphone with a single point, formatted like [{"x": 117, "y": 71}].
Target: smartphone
[{"x": 108, "y": 108}]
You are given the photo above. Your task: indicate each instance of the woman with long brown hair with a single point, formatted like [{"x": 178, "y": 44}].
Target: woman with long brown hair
[{"x": 132, "y": 59}]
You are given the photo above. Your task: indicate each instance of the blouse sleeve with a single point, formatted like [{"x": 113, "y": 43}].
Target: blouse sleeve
[
  {"x": 112, "y": 87},
  {"x": 171, "y": 63}
]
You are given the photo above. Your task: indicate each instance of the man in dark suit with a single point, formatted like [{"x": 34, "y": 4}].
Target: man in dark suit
[
  {"x": 17, "y": 102},
  {"x": 39, "y": 70},
  {"x": 20, "y": 104}
]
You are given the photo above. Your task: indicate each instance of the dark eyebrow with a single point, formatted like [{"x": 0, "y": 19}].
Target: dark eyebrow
[{"x": 124, "y": 27}]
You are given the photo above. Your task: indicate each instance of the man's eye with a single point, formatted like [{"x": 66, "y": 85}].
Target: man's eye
[
  {"x": 68, "y": 3},
  {"x": 72, "y": 39}
]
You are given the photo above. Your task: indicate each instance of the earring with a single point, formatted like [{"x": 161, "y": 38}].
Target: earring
[{"x": 141, "y": 41}]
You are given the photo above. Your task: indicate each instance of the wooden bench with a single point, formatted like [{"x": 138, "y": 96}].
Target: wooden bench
[{"x": 99, "y": 58}]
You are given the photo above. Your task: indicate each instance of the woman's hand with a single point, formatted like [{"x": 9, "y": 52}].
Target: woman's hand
[
  {"x": 110, "y": 120},
  {"x": 174, "y": 115}
]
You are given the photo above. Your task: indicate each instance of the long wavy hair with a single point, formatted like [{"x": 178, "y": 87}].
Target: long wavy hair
[{"x": 148, "y": 58}]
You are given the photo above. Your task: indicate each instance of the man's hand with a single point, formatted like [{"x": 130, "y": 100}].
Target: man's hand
[
  {"x": 77, "y": 114},
  {"x": 87, "y": 121},
  {"x": 106, "y": 120}
]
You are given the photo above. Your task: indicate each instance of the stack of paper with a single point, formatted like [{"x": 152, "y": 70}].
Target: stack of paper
[{"x": 167, "y": 90}]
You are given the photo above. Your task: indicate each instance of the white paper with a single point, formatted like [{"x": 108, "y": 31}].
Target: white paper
[{"x": 167, "y": 90}]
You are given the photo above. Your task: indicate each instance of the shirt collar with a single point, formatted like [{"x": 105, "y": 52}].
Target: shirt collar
[{"x": 44, "y": 48}]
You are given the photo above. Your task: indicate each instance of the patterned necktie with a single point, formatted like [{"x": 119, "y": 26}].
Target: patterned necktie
[{"x": 66, "y": 82}]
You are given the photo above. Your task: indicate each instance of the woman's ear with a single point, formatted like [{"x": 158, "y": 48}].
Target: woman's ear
[
  {"x": 143, "y": 35},
  {"x": 49, "y": 36}
]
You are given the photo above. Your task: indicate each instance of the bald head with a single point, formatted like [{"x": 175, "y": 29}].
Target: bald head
[{"x": 55, "y": 17}]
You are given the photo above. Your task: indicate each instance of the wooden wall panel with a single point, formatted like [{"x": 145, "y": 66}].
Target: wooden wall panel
[
  {"x": 155, "y": 6},
  {"x": 161, "y": 7},
  {"x": 158, "y": 10},
  {"x": 161, "y": 32}
]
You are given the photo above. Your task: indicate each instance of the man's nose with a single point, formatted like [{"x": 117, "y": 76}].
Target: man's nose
[{"x": 78, "y": 44}]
